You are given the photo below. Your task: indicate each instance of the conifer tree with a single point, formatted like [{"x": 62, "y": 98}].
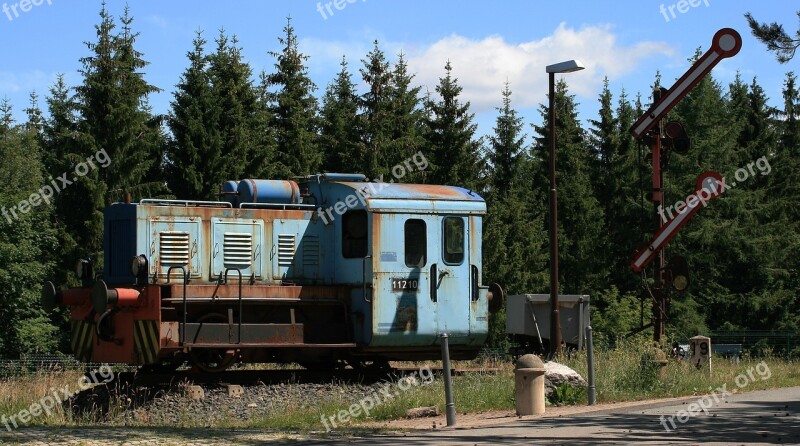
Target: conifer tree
[
  {"x": 405, "y": 121},
  {"x": 455, "y": 154},
  {"x": 580, "y": 232},
  {"x": 293, "y": 108},
  {"x": 339, "y": 130},
  {"x": 26, "y": 239},
  {"x": 376, "y": 114},
  {"x": 195, "y": 151},
  {"x": 515, "y": 244},
  {"x": 238, "y": 113}
]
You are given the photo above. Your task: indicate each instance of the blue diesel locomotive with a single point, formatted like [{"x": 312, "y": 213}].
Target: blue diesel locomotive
[{"x": 329, "y": 270}]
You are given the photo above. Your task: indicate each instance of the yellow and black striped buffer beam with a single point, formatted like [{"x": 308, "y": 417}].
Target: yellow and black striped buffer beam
[
  {"x": 145, "y": 341},
  {"x": 81, "y": 341}
]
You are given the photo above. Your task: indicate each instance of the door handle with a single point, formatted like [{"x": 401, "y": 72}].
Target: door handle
[{"x": 434, "y": 284}]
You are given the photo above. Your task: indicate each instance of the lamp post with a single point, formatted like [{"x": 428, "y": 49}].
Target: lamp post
[{"x": 568, "y": 66}]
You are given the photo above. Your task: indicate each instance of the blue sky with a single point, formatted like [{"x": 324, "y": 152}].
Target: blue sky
[{"x": 487, "y": 42}]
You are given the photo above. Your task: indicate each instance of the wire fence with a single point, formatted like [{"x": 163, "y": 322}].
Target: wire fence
[
  {"x": 761, "y": 343},
  {"x": 41, "y": 363}
]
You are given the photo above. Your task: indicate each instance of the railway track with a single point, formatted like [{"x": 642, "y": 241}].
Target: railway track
[{"x": 273, "y": 376}]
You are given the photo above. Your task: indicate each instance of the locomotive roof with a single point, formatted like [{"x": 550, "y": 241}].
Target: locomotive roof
[
  {"x": 415, "y": 191},
  {"x": 398, "y": 197}
]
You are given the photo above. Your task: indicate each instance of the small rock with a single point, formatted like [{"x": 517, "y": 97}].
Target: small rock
[{"x": 420, "y": 412}]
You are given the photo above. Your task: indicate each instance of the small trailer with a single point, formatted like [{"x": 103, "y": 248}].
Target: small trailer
[{"x": 528, "y": 321}]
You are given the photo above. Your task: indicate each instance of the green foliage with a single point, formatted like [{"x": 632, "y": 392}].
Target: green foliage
[
  {"x": 567, "y": 395},
  {"x": 455, "y": 153},
  {"x": 340, "y": 132},
  {"x": 775, "y": 38},
  {"x": 25, "y": 240},
  {"x": 293, "y": 108},
  {"x": 614, "y": 316}
]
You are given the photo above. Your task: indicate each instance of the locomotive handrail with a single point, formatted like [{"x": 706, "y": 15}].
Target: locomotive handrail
[
  {"x": 185, "y": 310},
  {"x": 277, "y": 206},
  {"x": 241, "y": 312},
  {"x": 185, "y": 203}
]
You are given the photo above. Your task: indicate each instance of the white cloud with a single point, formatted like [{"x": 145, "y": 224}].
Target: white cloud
[{"x": 483, "y": 66}]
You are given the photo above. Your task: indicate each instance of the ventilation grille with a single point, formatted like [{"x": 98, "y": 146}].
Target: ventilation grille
[
  {"x": 286, "y": 247},
  {"x": 238, "y": 250},
  {"x": 310, "y": 251},
  {"x": 173, "y": 248}
]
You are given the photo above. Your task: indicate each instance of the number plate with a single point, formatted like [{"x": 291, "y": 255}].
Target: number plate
[{"x": 405, "y": 284}]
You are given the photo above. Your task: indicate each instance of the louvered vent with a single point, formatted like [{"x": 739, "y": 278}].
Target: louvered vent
[
  {"x": 173, "y": 248},
  {"x": 310, "y": 251},
  {"x": 286, "y": 246},
  {"x": 238, "y": 250}
]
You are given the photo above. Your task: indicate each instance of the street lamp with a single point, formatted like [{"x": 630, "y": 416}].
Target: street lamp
[{"x": 568, "y": 66}]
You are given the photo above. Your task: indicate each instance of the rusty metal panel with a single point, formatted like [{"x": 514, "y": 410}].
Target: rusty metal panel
[
  {"x": 261, "y": 291},
  {"x": 225, "y": 334},
  {"x": 237, "y": 244}
]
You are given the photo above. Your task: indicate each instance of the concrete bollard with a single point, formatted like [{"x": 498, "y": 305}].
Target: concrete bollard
[{"x": 529, "y": 376}]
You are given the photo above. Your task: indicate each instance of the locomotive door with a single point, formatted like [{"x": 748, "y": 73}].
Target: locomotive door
[
  {"x": 404, "y": 249},
  {"x": 450, "y": 276}
]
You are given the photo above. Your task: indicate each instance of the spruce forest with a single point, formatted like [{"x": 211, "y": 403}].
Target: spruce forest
[{"x": 228, "y": 122}]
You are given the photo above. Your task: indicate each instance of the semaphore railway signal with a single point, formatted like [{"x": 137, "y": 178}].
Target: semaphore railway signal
[{"x": 726, "y": 43}]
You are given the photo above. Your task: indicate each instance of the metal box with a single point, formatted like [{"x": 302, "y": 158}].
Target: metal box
[{"x": 529, "y": 315}]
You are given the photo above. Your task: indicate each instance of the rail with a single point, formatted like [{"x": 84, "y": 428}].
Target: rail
[
  {"x": 241, "y": 310},
  {"x": 185, "y": 310},
  {"x": 186, "y": 203}
]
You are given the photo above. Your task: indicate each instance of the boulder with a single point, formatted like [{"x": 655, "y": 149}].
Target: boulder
[{"x": 557, "y": 374}]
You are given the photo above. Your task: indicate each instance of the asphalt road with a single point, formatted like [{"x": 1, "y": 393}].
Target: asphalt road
[{"x": 764, "y": 417}]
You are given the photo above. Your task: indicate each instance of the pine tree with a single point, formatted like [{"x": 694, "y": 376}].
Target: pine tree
[
  {"x": 455, "y": 154},
  {"x": 515, "y": 244},
  {"x": 405, "y": 121},
  {"x": 339, "y": 131},
  {"x": 239, "y": 112},
  {"x": 195, "y": 158},
  {"x": 775, "y": 37},
  {"x": 59, "y": 143},
  {"x": 114, "y": 111},
  {"x": 26, "y": 240},
  {"x": 293, "y": 107},
  {"x": 506, "y": 147},
  {"x": 6, "y": 116},
  {"x": 376, "y": 114},
  {"x": 580, "y": 233}
]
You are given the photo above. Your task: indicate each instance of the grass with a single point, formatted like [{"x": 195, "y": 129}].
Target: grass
[{"x": 621, "y": 375}]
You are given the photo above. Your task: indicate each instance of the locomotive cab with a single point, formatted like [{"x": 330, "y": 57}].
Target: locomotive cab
[{"x": 415, "y": 251}]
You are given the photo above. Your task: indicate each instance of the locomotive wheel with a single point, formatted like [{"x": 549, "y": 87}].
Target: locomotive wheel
[{"x": 212, "y": 360}]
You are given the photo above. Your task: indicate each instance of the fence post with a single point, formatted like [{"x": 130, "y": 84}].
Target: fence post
[{"x": 450, "y": 407}]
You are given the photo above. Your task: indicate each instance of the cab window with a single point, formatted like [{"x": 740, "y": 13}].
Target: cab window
[
  {"x": 453, "y": 238},
  {"x": 416, "y": 243},
  {"x": 354, "y": 234}
]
